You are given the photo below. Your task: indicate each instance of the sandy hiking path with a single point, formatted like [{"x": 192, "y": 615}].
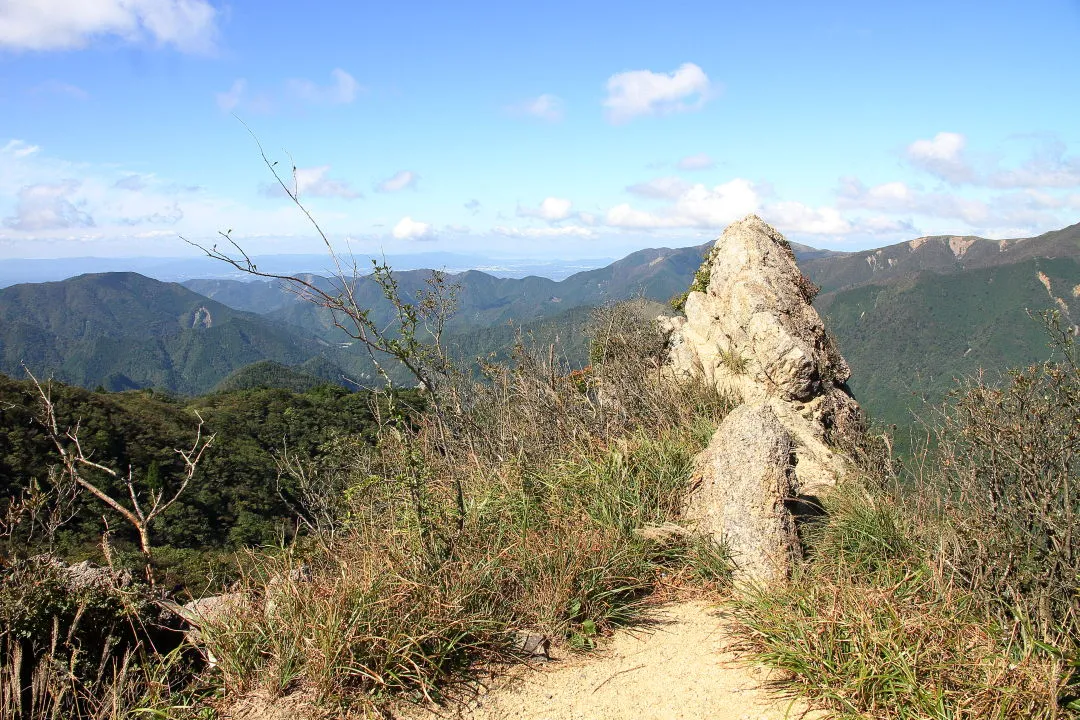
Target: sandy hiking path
[{"x": 681, "y": 666}]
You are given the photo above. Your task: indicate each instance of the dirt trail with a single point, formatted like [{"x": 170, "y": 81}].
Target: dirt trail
[{"x": 680, "y": 667}]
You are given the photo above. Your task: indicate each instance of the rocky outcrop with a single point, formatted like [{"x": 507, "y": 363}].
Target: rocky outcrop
[
  {"x": 753, "y": 334},
  {"x": 743, "y": 483}
]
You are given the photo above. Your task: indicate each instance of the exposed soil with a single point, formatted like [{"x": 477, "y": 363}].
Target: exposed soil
[{"x": 681, "y": 666}]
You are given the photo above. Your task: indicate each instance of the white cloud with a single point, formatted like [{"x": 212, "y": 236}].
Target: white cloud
[
  {"x": 341, "y": 91},
  {"x": 665, "y": 188},
  {"x": 701, "y": 161},
  {"x": 134, "y": 182},
  {"x": 401, "y": 180},
  {"x": 473, "y": 206},
  {"x": 697, "y": 206},
  {"x": 899, "y": 198},
  {"x": 792, "y": 216},
  {"x": 314, "y": 182},
  {"x": 80, "y": 208},
  {"x": 18, "y": 149},
  {"x": 643, "y": 92},
  {"x": 545, "y": 232},
  {"x": 231, "y": 98},
  {"x": 48, "y": 207},
  {"x": 1047, "y": 167},
  {"x": 409, "y": 229},
  {"x": 187, "y": 25},
  {"x": 545, "y": 107},
  {"x": 943, "y": 157},
  {"x": 551, "y": 209}
]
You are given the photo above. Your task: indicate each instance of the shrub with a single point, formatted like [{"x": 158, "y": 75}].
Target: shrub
[
  {"x": 873, "y": 628},
  {"x": 1007, "y": 459}
]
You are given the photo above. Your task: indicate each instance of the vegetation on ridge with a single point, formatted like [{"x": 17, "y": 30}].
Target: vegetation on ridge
[{"x": 948, "y": 590}]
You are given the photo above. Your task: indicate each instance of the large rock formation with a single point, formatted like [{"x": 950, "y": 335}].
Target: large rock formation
[{"x": 754, "y": 334}]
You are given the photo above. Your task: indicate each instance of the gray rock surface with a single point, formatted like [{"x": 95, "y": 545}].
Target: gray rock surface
[
  {"x": 754, "y": 335},
  {"x": 743, "y": 482}
]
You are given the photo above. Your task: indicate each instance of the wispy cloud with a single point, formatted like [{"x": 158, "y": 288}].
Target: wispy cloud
[
  {"x": 18, "y": 149},
  {"x": 186, "y": 25},
  {"x": 550, "y": 108},
  {"x": 545, "y": 232},
  {"x": 56, "y": 87},
  {"x": 341, "y": 90},
  {"x": 643, "y": 92},
  {"x": 1047, "y": 164},
  {"x": 661, "y": 188},
  {"x": 701, "y": 161},
  {"x": 401, "y": 180},
  {"x": 313, "y": 182}
]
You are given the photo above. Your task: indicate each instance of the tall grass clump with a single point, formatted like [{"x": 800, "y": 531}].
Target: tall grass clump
[
  {"x": 96, "y": 650},
  {"x": 531, "y": 504},
  {"x": 949, "y": 590}
]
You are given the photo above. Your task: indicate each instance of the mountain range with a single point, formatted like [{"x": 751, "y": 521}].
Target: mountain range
[{"x": 909, "y": 317}]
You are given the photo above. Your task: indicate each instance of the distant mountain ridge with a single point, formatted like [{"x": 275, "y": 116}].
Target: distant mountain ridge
[
  {"x": 938, "y": 253},
  {"x": 909, "y": 318},
  {"x": 124, "y": 331}
]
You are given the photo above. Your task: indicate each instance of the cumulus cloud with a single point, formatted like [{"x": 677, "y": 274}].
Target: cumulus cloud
[
  {"x": 701, "y": 161},
  {"x": 473, "y": 206},
  {"x": 187, "y": 25},
  {"x": 409, "y": 229},
  {"x": 401, "y": 180},
  {"x": 697, "y": 206},
  {"x": 544, "y": 107},
  {"x": 551, "y": 209},
  {"x": 342, "y": 89},
  {"x": 314, "y": 182},
  {"x": 943, "y": 157},
  {"x": 48, "y": 207},
  {"x": 792, "y": 216},
  {"x": 643, "y": 92},
  {"x": 664, "y": 188},
  {"x": 545, "y": 232}
]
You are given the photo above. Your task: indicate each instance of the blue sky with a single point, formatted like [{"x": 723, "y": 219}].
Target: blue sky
[{"x": 559, "y": 129}]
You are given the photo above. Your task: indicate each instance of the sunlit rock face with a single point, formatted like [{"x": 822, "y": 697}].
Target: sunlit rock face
[{"x": 754, "y": 334}]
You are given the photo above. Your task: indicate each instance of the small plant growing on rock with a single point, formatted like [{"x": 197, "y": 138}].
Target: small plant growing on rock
[
  {"x": 733, "y": 362},
  {"x": 700, "y": 283},
  {"x": 807, "y": 287}
]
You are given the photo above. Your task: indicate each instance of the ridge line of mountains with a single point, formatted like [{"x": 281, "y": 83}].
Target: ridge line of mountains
[{"x": 909, "y": 317}]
